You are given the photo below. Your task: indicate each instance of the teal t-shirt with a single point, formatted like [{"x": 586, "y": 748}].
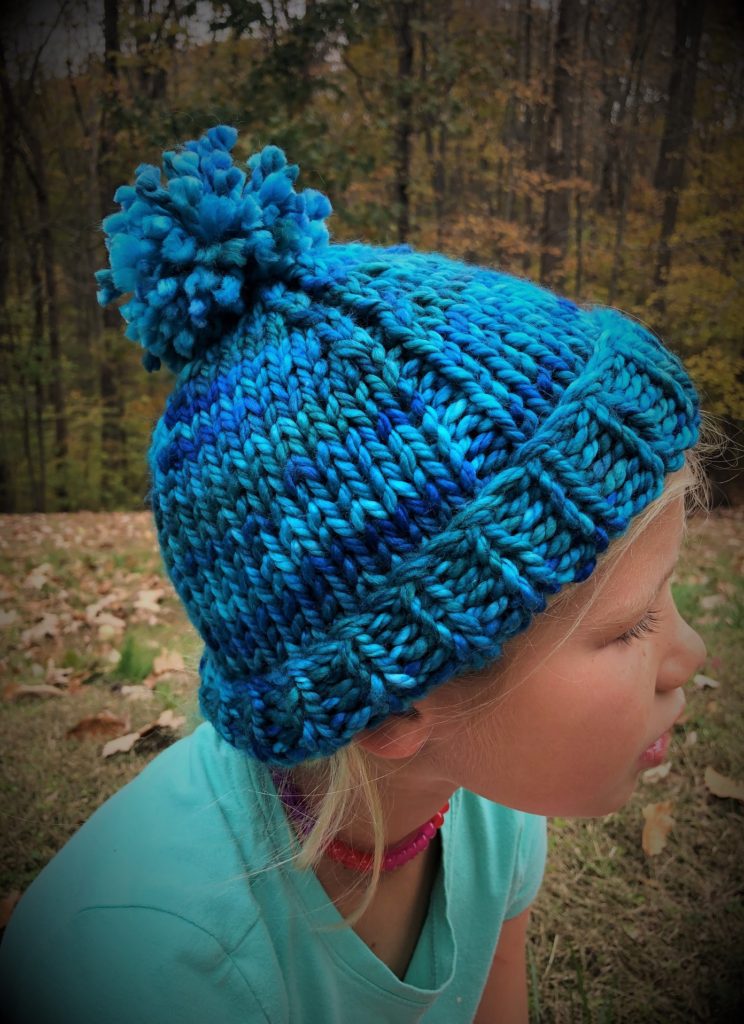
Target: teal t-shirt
[{"x": 157, "y": 911}]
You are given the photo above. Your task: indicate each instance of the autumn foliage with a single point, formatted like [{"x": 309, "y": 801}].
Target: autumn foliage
[{"x": 593, "y": 145}]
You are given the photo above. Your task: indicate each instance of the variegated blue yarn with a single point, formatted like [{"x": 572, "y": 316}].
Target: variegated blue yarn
[
  {"x": 376, "y": 464},
  {"x": 192, "y": 253}
]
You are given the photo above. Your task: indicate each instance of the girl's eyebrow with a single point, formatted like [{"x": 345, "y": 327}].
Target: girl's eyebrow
[{"x": 624, "y": 613}]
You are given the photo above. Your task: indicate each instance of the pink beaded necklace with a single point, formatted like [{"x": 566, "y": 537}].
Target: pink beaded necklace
[{"x": 357, "y": 860}]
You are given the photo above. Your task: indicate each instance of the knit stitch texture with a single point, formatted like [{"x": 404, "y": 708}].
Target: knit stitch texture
[{"x": 376, "y": 464}]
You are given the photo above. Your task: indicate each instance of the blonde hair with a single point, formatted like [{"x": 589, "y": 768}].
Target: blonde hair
[{"x": 336, "y": 781}]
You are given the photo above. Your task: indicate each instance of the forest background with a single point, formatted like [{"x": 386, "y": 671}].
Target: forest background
[{"x": 593, "y": 145}]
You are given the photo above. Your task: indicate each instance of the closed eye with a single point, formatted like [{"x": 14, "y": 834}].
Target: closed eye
[{"x": 648, "y": 624}]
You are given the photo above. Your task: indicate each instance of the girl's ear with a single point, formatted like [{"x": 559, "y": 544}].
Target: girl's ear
[{"x": 399, "y": 736}]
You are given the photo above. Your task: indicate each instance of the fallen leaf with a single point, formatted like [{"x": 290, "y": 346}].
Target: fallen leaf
[
  {"x": 7, "y": 906},
  {"x": 712, "y": 601},
  {"x": 720, "y": 785},
  {"x": 8, "y": 618},
  {"x": 58, "y": 676},
  {"x": 92, "y": 611},
  {"x": 170, "y": 720},
  {"x": 168, "y": 661},
  {"x": 41, "y": 690},
  {"x": 166, "y": 721},
  {"x": 153, "y": 734},
  {"x": 702, "y": 682},
  {"x": 104, "y": 723},
  {"x": 37, "y": 578},
  {"x": 137, "y": 692},
  {"x": 147, "y": 600},
  {"x": 659, "y": 822},
  {"x": 47, "y": 627},
  {"x": 107, "y": 619},
  {"x": 658, "y": 773},
  {"x": 121, "y": 745},
  {"x": 106, "y": 632},
  {"x": 691, "y": 739}
]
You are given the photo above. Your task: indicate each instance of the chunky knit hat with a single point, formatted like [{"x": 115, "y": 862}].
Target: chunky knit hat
[{"x": 376, "y": 463}]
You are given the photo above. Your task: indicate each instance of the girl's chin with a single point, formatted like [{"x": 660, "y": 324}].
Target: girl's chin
[
  {"x": 597, "y": 804},
  {"x": 591, "y": 803},
  {"x": 611, "y": 803}
]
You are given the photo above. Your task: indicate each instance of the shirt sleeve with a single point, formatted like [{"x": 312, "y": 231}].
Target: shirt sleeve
[
  {"x": 530, "y": 864},
  {"x": 124, "y": 965}
]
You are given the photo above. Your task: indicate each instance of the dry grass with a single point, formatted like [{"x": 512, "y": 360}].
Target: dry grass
[
  {"x": 50, "y": 784},
  {"x": 617, "y": 936}
]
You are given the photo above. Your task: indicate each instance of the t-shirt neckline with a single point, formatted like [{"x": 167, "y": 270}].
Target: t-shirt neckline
[{"x": 350, "y": 951}]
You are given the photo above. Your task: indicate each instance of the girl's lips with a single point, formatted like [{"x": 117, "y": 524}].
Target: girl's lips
[{"x": 655, "y": 754}]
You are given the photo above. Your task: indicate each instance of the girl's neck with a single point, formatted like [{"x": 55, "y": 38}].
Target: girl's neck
[
  {"x": 392, "y": 923},
  {"x": 407, "y": 802}
]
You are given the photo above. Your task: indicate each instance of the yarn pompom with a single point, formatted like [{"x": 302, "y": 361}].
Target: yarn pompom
[{"x": 191, "y": 252}]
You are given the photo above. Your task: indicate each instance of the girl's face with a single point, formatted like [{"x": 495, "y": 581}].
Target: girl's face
[{"x": 569, "y": 734}]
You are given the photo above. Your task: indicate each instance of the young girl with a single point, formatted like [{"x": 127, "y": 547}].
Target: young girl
[{"x": 424, "y": 516}]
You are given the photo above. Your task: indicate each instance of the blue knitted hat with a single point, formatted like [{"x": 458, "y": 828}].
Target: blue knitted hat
[{"x": 375, "y": 464}]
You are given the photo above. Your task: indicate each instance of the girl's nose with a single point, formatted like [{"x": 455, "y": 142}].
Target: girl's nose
[{"x": 686, "y": 655}]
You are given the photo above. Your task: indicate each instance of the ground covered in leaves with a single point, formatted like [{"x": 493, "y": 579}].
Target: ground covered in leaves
[{"x": 641, "y": 917}]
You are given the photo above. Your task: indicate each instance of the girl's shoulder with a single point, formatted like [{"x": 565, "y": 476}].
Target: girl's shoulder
[{"x": 173, "y": 839}]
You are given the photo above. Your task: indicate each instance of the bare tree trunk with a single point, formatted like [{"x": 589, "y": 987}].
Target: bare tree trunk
[
  {"x": 35, "y": 370},
  {"x": 510, "y": 130},
  {"x": 7, "y": 499},
  {"x": 10, "y": 128},
  {"x": 678, "y": 125},
  {"x": 626, "y": 154},
  {"x": 427, "y": 126},
  {"x": 440, "y": 183},
  {"x": 151, "y": 77},
  {"x": 580, "y": 151},
  {"x": 401, "y": 21},
  {"x": 527, "y": 116},
  {"x": 559, "y": 161},
  {"x": 436, "y": 135},
  {"x": 435, "y": 130},
  {"x": 91, "y": 315},
  {"x": 14, "y": 100},
  {"x": 113, "y": 435},
  {"x": 37, "y": 174}
]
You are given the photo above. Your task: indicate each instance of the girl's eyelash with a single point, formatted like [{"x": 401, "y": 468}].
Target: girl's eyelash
[{"x": 648, "y": 624}]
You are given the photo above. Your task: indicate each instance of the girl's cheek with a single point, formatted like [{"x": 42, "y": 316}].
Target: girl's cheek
[{"x": 614, "y": 695}]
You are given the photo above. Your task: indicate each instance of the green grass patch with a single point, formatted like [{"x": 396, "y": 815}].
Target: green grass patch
[
  {"x": 72, "y": 658},
  {"x": 136, "y": 660},
  {"x": 687, "y": 598}
]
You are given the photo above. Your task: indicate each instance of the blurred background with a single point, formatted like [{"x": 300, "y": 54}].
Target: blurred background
[{"x": 594, "y": 145}]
